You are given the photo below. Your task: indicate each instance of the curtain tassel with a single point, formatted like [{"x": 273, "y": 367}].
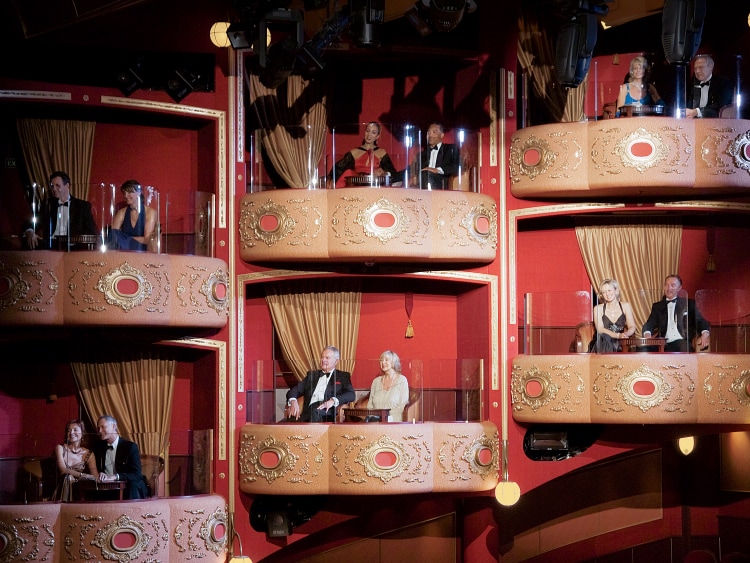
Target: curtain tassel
[{"x": 409, "y": 330}]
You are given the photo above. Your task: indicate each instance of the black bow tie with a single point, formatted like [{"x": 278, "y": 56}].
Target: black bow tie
[
  {"x": 61, "y": 204},
  {"x": 434, "y": 148},
  {"x": 706, "y": 83},
  {"x": 672, "y": 300},
  {"x": 110, "y": 447}
]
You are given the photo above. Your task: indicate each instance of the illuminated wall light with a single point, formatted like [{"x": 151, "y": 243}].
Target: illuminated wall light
[
  {"x": 507, "y": 493},
  {"x": 219, "y": 35},
  {"x": 686, "y": 445}
]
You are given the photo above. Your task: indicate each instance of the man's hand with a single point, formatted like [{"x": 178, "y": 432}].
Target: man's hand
[
  {"x": 32, "y": 239},
  {"x": 325, "y": 405},
  {"x": 294, "y": 410},
  {"x": 705, "y": 340}
]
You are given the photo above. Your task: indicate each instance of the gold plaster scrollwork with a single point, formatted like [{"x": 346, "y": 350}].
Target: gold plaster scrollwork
[
  {"x": 469, "y": 222},
  {"x": 740, "y": 388},
  {"x": 472, "y": 456},
  {"x": 108, "y": 286},
  {"x": 18, "y": 288},
  {"x": 215, "y": 521},
  {"x": 252, "y": 231},
  {"x": 250, "y": 459},
  {"x": 624, "y": 149},
  {"x": 519, "y": 385},
  {"x": 739, "y": 150},
  {"x": 366, "y": 218},
  {"x": 626, "y": 387},
  {"x": 218, "y": 303},
  {"x": 13, "y": 543},
  {"x": 105, "y": 539},
  {"x": 367, "y": 458},
  {"x": 518, "y": 164}
]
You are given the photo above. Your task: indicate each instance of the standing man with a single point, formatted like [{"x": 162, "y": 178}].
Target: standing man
[
  {"x": 323, "y": 390},
  {"x": 709, "y": 92},
  {"x": 438, "y": 162},
  {"x": 60, "y": 215},
  {"x": 677, "y": 319},
  {"x": 118, "y": 459}
]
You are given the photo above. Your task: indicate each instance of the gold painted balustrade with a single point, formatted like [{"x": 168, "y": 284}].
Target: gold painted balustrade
[
  {"x": 638, "y": 388},
  {"x": 170, "y": 530},
  {"x": 631, "y": 157},
  {"x": 368, "y": 459},
  {"x": 90, "y": 288},
  {"x": 368, "y": 225}
]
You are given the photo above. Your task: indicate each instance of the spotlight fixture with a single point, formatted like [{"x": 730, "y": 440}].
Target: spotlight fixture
[
  {"x": 240, "y": 36},
  {"x": 130, "y": 79},
  {"x": 180, "y": 83},
  {"x": 686, "y": 445},
  {"x": 367, "y": 15}
]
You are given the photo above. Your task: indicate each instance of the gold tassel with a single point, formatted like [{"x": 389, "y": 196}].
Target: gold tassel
[{"x": 409, "y": 330}]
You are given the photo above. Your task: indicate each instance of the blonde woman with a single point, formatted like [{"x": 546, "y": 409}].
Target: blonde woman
[
  {"x": 613, "y": 318},
  {"x": 389, "y": 390}
]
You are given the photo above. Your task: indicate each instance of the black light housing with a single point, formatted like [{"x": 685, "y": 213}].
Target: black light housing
[{"x": 130, "y": 79}]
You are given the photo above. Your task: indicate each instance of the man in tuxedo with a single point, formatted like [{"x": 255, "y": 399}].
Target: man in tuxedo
[
  {"x": 60, "y": 215},
  {"x": 323, "y": 390},
  {"x": 709, "y": 92},
  {"x": 677, "y": 319},
  {"x": 438, "y": 162},
  {"x": 118, "y": 459}
]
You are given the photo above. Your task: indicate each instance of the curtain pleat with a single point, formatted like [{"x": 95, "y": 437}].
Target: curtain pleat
[
  {"x": 312, "y": 316},
  {"x": 639, "y": 257},
  {"x": 293, "y": 127},
  {"x": 136, "y": 391},
  {"x": 50, "y": 145}
]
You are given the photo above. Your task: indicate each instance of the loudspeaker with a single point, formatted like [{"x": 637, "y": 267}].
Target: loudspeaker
[
  {"x": 681, "y": 29},
  {"x": 574, "y": 47}
]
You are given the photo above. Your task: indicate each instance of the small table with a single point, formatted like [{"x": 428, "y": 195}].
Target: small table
[
  {"x": 352, "y": 414},
  {"x": 632, "y": 343},
  {"x": 91, "y": 489},
  {"x": 76, "y": 242}
]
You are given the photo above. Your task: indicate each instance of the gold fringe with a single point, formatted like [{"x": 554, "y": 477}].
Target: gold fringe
[{"x": 409, "y": 330}]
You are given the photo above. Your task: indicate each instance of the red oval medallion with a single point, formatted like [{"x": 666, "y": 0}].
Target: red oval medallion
[
  {"x": 128, "y": 286},
  {"x": 644, "y": 388},
  {"x": 219, "y": 531},
  {"x": 482, "y": 225},
  {"x": 746, "y": 152},
  {"x": 269, "y": 222},
  {"x": 124, "y": 540},
  {"x": 5, "y": 285},
  {"x": 484, "y": 456},
  {"x": 533, "y": 388},
  {"x": 269, "y": 459},
  {"x": 532, "y": 157},
  {"x": 641, "y": 149},
  {"x": 385, "y": 459},
  {"x": 220, "y": 291},
  {"x": 384, "y": 220}
]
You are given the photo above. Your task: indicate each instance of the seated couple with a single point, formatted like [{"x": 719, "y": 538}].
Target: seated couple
[{"x": 325, "y": 389}]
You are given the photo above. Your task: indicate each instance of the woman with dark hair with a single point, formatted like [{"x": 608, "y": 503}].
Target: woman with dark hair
[
  {"x": 367, "y": 160},
  {"x": 133, "y": 225},
  {"x": 74, "y": 462}
]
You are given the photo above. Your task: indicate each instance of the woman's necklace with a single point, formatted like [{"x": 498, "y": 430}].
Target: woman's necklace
[{"x": 73, "y": 451}]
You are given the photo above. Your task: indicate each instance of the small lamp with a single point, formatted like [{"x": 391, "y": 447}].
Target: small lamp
[
  {"x": 219, "y": 35},
  {"x": 507, "y": 492},
  {"x": 686, "y": 445}
]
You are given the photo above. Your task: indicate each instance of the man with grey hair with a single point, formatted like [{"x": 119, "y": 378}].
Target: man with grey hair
[
  {"x": 323, "y": 391},
  {"x": 119, "y": 459},
  {"x": 709, "y": 92}
]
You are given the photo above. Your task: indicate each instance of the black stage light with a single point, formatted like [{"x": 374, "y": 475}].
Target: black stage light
[
  {"x": 180, "y": 84},
  {"x": 279, "y": 63},
  {"x": 240, "y": 35},
  {"x": 130, "y": 79},
  {"x": 367, "y": 17}
]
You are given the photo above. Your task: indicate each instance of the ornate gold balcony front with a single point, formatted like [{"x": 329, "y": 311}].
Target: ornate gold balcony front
[
  {"x": 368, "y": 225},
  {"x": 632, "y": 157},
  {"x": 90, "y": 288},
  {"x": 638, "y": 388}
]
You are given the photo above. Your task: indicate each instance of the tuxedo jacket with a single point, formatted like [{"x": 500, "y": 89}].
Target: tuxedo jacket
[
  {"x": 689, "y": 319},
  {"x": 340, "y": 384},
  {"x": 447, "y": 159},
  {"x": 720, "y": 94},
  {"x": 127, "y": 465},
  {"x": 80, "y": 215}
]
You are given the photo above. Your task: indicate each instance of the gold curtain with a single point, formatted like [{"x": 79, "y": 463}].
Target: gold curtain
[
  {"x": 639, "y": 257},
  {"x": 49, "y": 145},
  {"x": 536, "y": 55},
  {"x": 136, "y": 391},
  {"x": 293, "y": 127},
  {"x": 309, "y": 316}
]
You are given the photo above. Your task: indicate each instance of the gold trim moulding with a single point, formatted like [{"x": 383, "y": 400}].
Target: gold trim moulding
[{"x": 631, "y": 157}]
